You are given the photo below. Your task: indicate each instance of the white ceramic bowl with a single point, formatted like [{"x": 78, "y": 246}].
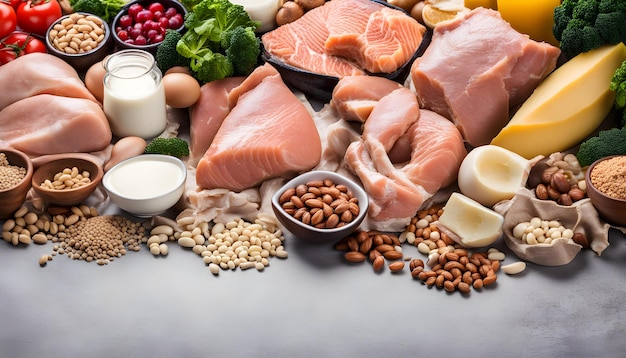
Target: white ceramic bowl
[
  {"x": 146, "y": 185},
  {"x": 308, "y": 232}
]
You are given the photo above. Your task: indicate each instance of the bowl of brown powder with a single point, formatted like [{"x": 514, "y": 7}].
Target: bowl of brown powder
[
  {"x": 16, "y": 171},
  {"x": 606, "y": 187}
]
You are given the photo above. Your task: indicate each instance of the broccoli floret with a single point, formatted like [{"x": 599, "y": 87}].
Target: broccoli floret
[
  {"x": 107, "y": 9},
  {"x": 173, "y": 146},
  {"x": 214, "y": 42},
  {"x": 607, "y": 142},
  {"x": 242, "y": 49},
  {"x": 618, "y": 85},
  {"x": 584, "y": 25},
  {"x": 166, "y": 54}
]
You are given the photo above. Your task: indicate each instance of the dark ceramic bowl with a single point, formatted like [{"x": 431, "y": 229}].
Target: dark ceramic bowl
[
  {"x": 613, "y": 210},
  {"x": 321, "y": 86},
  {"x": 67, "y": 197},
  {"x": 13, "y": 198},
  {"x": 83, "y": 60},
  {"x": 152, "y": 48},
  {"x": 310, "y": 233}
]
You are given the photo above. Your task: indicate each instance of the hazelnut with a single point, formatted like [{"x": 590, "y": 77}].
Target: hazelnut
[
  {"x": 581, "y": 240},
  {"x": 564, "y": 199},
  {"x": 546, "y": 176},
  {"x": 560, "y": 182},
  {"x": 553, "y": 193},
  {"x": 576, "y": 194},
  {"x": 541, "y": 192}
]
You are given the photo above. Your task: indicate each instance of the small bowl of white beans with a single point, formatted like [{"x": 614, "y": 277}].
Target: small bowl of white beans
[
  {"x": 320, "y": 206},
  {"x": 68, "y": 180},
  {"x": 80, "y": 39},
  {"x": 147, "y": 184},
  {"x": 16, "y": 171}
]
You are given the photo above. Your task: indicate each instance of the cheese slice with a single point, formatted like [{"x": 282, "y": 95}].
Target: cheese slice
[{"x": 566, "y": 107}]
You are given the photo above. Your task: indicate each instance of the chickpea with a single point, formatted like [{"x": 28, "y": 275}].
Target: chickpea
[{"x": 289, "y": 12}]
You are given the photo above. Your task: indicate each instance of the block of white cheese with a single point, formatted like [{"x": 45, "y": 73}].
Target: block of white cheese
[
  {"x": 263, "y": 11},
  {"x": 566, "y": 107},
  {"x": 469, "y": 223}
]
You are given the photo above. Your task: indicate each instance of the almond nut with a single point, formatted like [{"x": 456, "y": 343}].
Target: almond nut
[
  {"x": 354, "y": 256},
  {"x": 392, "y": 255},
  {"x": 379, "y": 263},
  {"x": 395, "y": 266}
]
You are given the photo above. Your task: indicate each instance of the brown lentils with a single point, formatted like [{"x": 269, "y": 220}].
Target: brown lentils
[
  {"x": 320, "y": 203},
  {"x": 10, "y": 175}
]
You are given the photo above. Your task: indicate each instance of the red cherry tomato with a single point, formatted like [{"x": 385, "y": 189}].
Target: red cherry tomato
[
  {"x": 35, "y": 16},
  {"x": 18, "y": 44},
  {"x": 8, "y": 19}
]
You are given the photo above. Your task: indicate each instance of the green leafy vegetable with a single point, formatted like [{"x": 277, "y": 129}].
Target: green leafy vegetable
[
  {"x": 618, "y": 84},
  {"x": 106, "y": 9},
  {"x": 173, "y": 146},
  {"x": 166, "y": 54},
  {"x": 607, "y": 142}
]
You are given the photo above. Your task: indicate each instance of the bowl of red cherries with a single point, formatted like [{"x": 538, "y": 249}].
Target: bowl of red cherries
[{"x": 141, "y": 24}]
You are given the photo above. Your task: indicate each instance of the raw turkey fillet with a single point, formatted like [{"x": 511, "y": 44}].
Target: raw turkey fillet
[
  {"x": 39, "y": 73},
  {"x": 346, "y": 38},
  {"x": 207, "y": 115},
  {"x": 48, "y": 124},
  {"x": 268, "y": 133},
  {"x": 435, "y": 152},
  {"x": 476, "y": 68},
  {"x": 354, "y": 97}
]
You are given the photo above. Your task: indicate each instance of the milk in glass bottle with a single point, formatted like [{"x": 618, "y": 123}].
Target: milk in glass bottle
[{"x": 134, "y": 98}]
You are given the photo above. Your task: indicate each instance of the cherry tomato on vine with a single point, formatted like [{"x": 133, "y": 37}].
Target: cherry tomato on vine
[
  {"x": 14, "y": 3},
  {"x": 35, "y": 16},
  {"x": 18, "y": 44},
  {"x": 8, "y": 19}
]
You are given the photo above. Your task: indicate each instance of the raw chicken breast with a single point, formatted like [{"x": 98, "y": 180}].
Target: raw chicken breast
[
  {"x": 346, "y": 38},
  {"x": 208, "y": 113},
  {"x": 354, "y": 97},
  {"x": 476, "y": 68},
  {"x": 39, "y": 73},
  {"x": 269, "y": 133},
  {"x": 48, "y": 124},
  {"x": 436, "y": 149}
]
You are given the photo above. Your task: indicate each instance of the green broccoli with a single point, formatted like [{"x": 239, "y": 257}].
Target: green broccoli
[
  {"x": 107, "y": 9},
  {"x": 584, "y": 25},
  {"x": 207, "y": 25},
  {"x": 166, "y": 54},
  {"x": 173, "y": 146},
  {"x": 242, "y": 49},
  {"x": 607, "y": 142},
  {"x": 618, "y": 85}
]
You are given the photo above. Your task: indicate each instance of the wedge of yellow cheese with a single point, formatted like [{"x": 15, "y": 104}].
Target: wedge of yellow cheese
[{"x": 566, "y": 107}]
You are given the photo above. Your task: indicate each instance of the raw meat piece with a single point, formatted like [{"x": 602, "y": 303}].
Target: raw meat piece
[
  {"x": 208, "y": 113},
  {"x": 346, "y": 38},
  {"x": 39, "y": 73},
  {"x": 49, "y": 124},
  {"x": 476, "y": 68},
  {"x": 354, "y": 97},
  {"x": 398, "y": 190},
  {"x": 269, "y": 133}
]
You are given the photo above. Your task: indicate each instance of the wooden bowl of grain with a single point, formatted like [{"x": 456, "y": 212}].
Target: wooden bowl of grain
[
  {"x": 606, "y": 187},
  {"x": 16, "y": 171}
]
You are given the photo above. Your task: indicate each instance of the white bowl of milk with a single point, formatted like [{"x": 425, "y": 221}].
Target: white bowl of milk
[{"x": 146, "y": 185}]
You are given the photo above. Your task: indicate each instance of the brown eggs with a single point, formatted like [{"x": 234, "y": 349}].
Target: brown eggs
[
  {"x": 125, "y": 148},
  {"x": 94, "y": 80},
  {"x": 181, "y": 90}
]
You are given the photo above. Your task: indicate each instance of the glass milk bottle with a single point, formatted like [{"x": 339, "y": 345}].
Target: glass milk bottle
[{"x": 134, "y": 99}]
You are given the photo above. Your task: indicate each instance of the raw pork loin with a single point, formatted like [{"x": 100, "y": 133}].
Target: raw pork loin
[
  {"x": 268, "y": 133},
  {"x": 476, "y": 68}
]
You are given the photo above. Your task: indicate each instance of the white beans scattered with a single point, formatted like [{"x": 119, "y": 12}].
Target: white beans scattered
[{"x": 538, "y": 231}]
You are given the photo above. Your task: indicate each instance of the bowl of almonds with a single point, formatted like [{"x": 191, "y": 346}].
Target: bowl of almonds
[
  {"x": 320, "y": 206},
  {"x": 80, "y": 39},
  {"x": 68, "y": 180}
]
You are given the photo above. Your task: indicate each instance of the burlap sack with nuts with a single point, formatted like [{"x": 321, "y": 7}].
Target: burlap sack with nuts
[{"x": 581, "y": 217}]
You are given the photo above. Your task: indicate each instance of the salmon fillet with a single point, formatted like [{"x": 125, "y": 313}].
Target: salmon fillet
[
  {"x": 354, "y": 97},
  {"x": 435, "y": 151},
  {"x": 505, "y": 68},
  {"x": 49, "y": 124},
  {"x": 268, "y": 133},
  {"x": 346, "y": 38},
  {"x": 39, "y": 73}
]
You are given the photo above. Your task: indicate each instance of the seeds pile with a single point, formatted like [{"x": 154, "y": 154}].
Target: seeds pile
[
  {"x": 231, "y": 245},
  {"x": 609, "y": 177},
  {"x": 68, "y": 178},
  {"x": 10, "y": 175},
  {"x": 320, "y": 203},
  {"x": 79, "y": 233},
  {"x": 539, "y": 231},
  {"x": 77, "y": 33}
]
